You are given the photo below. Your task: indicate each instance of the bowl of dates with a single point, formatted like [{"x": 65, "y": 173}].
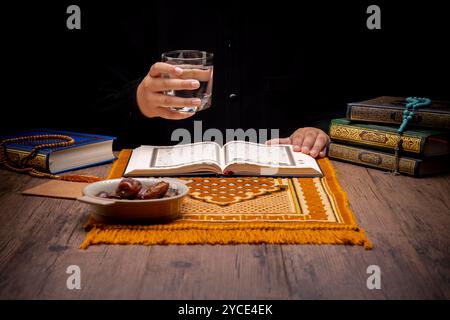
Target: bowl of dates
[{"x": 129, "y": 199}]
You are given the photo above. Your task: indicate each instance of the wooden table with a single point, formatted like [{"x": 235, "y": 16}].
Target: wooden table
[{"x": 407, "y": 219}]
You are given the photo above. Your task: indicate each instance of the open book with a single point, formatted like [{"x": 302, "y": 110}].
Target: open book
[{"x": 236, "y": 157}]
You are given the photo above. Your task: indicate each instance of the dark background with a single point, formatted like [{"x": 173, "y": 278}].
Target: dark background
[{"x": 51, "y": 75}]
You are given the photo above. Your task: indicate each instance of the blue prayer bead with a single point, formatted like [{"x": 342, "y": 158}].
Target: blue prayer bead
[{"x": 413, "y": 104}]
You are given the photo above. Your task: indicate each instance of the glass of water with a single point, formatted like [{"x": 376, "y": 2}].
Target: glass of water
[{"x": 196, "y": 65}]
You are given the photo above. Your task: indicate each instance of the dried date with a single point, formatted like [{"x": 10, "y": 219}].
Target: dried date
[
  {"x": 155, "y": 191},
  {"x": 128, "y": 188}
]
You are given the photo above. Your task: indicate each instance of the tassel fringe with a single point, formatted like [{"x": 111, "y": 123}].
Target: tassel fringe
[{"x": 255, "y": 233}]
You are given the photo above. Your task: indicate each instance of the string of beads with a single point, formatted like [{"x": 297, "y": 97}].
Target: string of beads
[{"x": 413, "y": 104}]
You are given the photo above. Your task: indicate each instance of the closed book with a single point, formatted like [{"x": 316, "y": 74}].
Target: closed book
[
  {"x": 88, "y": 150},
  {"x": 389, "y": 110},
  {"x": 386, "y": 161},
  {"x": 421, "y": 142}
]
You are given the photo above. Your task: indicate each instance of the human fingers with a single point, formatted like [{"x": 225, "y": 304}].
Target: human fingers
[
  {"x": 166, "y": 101},
  {"x": 151, "y": 104},
  {"x": 160, "y": 68},
  {"x": 323, "y": 153},
  {"x": 199, "y": 74},
  {"x": 320, "y": 143},
  {"x": 308, "y": 141},
  {"x": 297, "y": 140},
  {"x": 279, "y": 141},
  {"x": 166, "y": 84}
]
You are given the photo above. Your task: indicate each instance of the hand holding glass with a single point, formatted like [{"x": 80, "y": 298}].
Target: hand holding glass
[{"x": 197, "y": 65}]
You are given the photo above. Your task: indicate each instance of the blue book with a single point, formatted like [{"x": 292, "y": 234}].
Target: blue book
[{"x": 88, "y": 150}]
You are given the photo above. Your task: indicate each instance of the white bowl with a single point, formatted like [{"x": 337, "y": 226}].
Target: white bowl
[{"x": 118, "y": 210}]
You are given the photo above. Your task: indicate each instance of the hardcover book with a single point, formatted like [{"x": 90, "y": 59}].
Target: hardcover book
[
  {"x": 88, "y": 150},
  {"x": 389, "y": 110},
  {"x": 415, "y": 141},
  {"x": 236, "y": 157},
  {"x": 385, "y": 161}
]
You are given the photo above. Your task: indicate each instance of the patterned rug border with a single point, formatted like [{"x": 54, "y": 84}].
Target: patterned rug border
[{"x": 243, "y": 233}]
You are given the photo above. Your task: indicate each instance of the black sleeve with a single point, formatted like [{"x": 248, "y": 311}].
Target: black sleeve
[
  {"x": 123, "y": 42},
  {"x": 116, "y": 108}
]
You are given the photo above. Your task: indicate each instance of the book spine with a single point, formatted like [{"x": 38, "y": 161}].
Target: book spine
[
  {"x": 394, "y": 116},
  {"x": 40, "y": 162},
  {"x": 371, "y": 158},
  {"x": 375, "y": 138}
]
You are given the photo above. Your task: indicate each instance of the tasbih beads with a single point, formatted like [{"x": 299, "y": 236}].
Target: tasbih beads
[
  {"x": 413, "y": 104},
  {"x": 22, "y": 166}
]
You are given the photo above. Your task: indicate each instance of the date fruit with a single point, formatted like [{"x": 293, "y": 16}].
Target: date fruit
[
  {"x": 155, "y": 191},
  {"x": 128, "y": 188}
]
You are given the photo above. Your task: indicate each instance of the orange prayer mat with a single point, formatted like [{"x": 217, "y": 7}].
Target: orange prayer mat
[{"x": 281, "y": 211}]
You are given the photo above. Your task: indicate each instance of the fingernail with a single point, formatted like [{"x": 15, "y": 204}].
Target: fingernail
[
  {"x": 297, "y": 148},
  {"x": 195, "y": 84},
  {"x": 196, "y": 102},
  {"x": 178, "y": 70},
  {"x": 313, "y": 153},
  {"x": 322, "y": 154},
  {"x": 305, "y": 149}
]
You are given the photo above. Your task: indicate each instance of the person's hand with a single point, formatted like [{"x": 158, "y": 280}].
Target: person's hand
[
  {"x": 308, "y": 140},
  {"x": 150, "y": 93}
]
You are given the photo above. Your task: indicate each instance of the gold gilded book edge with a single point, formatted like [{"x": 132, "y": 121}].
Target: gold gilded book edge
[
  {"x": 370, "y": 158},
  {"x": 391, "y": 116},
  {"x": 374, "y": 137}
]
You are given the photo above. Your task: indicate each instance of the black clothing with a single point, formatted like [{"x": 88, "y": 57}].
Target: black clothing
[
  {"x": 269, "y": 70},
  {"x": 282, "y": 64}
]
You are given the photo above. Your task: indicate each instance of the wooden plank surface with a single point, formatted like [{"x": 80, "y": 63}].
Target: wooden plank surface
[{"x": 407, "y": 219}]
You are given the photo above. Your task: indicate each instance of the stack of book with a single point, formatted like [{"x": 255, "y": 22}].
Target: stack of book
[{"x": 368, "y": 136}]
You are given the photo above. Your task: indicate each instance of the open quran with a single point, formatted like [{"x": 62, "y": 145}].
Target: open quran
[{"x": 234, "y": 158}]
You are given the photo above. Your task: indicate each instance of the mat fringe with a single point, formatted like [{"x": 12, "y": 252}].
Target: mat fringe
[{"x": 201, "y": 233}]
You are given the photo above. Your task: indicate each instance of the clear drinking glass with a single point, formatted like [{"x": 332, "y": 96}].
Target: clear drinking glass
[{"x": 197, "y": 65}]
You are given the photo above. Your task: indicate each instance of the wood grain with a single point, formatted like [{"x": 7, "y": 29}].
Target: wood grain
[{"x": 407, "y": 219}]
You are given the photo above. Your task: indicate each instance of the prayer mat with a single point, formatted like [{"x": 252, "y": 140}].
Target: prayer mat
[{"x": 273, "y": 211}]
